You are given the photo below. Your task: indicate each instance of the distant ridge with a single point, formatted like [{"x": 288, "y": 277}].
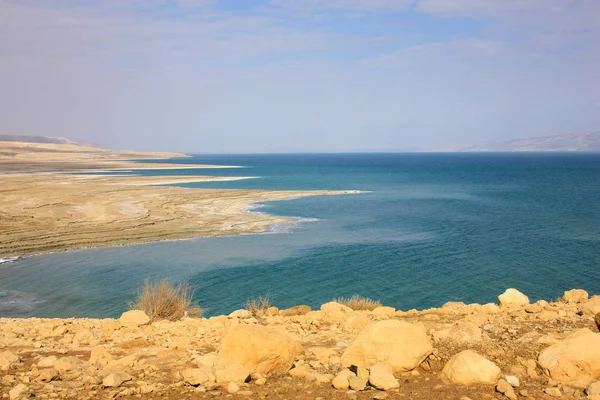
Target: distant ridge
[
  {"x": 36, "y": 139},
  {"x": 589, "y": 141}
]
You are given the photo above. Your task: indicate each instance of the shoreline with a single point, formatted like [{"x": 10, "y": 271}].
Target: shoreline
[
  {"x": 458, "y": 350},
  {"x": 49, "y": 206}
]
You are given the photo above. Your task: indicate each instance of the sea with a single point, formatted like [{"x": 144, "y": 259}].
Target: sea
[{"x": 427, "y": 228}]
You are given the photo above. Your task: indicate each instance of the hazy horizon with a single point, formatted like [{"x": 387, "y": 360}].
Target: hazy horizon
[{"x": 285, "y": 76}]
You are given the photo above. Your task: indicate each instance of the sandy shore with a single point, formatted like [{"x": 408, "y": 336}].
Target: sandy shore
[{"x": 44, "y": 211}]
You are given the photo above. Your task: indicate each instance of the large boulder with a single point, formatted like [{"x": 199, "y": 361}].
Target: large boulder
[
  {"x": 258, "y": 348},
  {"x": 401, "y": 344},
  {"x": 468, "y": 367},
  {"x": 512, "y": 297},
  {"x": 575, "y": 296},
  {"x": 592, "y": 306},
  {"x": 575, "y": 360},
  {"x": 134, "y": 317}
]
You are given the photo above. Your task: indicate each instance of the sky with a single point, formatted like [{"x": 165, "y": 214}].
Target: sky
[{"x": 250, "y": 76}]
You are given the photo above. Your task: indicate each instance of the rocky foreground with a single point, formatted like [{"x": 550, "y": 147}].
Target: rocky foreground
[{"x": 513, "y": 350}]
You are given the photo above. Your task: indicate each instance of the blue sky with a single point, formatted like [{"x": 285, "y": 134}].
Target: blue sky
[{"x": 298, "y": 75}]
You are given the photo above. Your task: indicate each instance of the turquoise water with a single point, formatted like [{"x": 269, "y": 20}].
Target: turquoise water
[{"x": 429, "y": 228}]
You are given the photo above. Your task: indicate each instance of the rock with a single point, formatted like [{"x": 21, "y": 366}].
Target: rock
[
  {"x": 468, "y": 367},
  {"x": 207, "y": 360},
  {"x": 333, "y": 307},
  {"x": 242, "y": 314},
  {"x": 401, "y": 344},
  {"x": 18, "y": 391},
  {"x": 553, "y": 391},
  {"x": 258, "y": 348},
  {"x": 575, "y": 360},
  {"x": 47, "y": 375},
  {"x": 384, "y": 311},
  {"x": 46, "y": 362},
  {"x": 591, "y": 307},
  {"x": 490, "y": 308},
  {"x": 99, "y": 357},
  {"x": 575, "y": 296},
  {"x": 506, "y": 389},
  {"x": 134, "y": 317},
  {"x": 512, "y": 380},
  {"x": 198, "y": 376},
  {"x": 232, "y": 388},
  {"x": 67, "y": 363},
  {"x": 463, "y": 333},
  {"x": 597, "y": 320},
  {"x": 322, "y": 353},
  {"x": 233, "y": 372},
  {"x": 300, "y": 371},
  {"x": 272, "y": 311},
  {"x": 296, "y": 310},
  {"x": 357, "y": 383},
  {"x": 320, "y": 378},
  {"x": 593, "y": 389},
  {"x": 381, "y": 377},
  {"x": 512, "y": 297},
  {"x": 115, "y": 379},
  {"x": 7, "y": 358},
  {"x": 341, "y": 380},
  {"x": 122, "y": 364}
]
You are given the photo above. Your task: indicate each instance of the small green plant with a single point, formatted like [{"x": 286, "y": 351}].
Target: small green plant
[
  {"x": 258, "y": 306},
  {"x": 358, "y": 303},
  {"x": 161, "y": 300}
]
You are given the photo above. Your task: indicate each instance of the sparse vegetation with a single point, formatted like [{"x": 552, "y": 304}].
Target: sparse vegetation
[
  {"x": 258, "y": 306},
  {"x": 357, "y": 302},
  {"x": 161, "y": 300}
]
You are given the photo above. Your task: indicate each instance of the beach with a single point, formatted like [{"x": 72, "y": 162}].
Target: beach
[{"x": 48, "y": 205}]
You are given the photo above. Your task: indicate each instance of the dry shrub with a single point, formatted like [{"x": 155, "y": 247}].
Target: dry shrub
[
  {"x": 358, "y": 303},
  {"x": 161, "y": 300},
  {"x": 258, "y": 306}
]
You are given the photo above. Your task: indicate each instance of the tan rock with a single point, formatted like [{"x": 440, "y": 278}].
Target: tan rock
[
  {"x": 401, "y": 344},
  {"x": 241, "y": 314},
  {"x": 512, "y": 297},
  {"x": 593, "y": 389},
  {"x": 7, "y": 358},
  {"x": 258, "y": 348},
  {"x": 490, "y": 308},
  {"x": 322, "y": 353},
  {"x": 296, "y": 310},
  {"x": 381, "y": 377},
  {"x": 553, "y": 391},
  {"x": 207, "y": 360},
  {"x": 134, "y": 317},
  {"x": 575, "y": 360},
  {"x": 300, "y": 371},
  {"x": 468, "y": 367},
  {"x": 67, "y": 364},
  {"x": 18, "y": 392},
  {"x": 592, "y": 306},
  {"x": 198, "y": 376},
  {"x": 233, "y": 372},
  {"x": 122, "y": 364},
  {"x": 575, "y": 296},
  {"x": 357, "y": 382},
  {"x": 383, "y": 311},
  {"x": 506, "y": 389},
  {"x": 232, "y": 388},
  {"x": 340, "y": 382},
  {"x": 48, "y": 375},
  {"x": 99, "y": 357},
  {"x": 46, "y": 362},
  {"x": 115, "y": 379},
  {"x": 333, "y": 306},
  {"x": 462, "y": 333},
  {"x": 355, "y": 322}
]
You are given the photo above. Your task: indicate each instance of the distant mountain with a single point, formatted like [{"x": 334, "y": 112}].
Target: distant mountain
[
  {"x": 570, "y": 142},
  {"x": 35, "y": 139}
]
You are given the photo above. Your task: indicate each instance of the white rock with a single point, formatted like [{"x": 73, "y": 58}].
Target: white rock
[
  {"x": 512, "y": 297},
  {"x": 468, "y": 367},
  {"x": 134, "y": 317}
]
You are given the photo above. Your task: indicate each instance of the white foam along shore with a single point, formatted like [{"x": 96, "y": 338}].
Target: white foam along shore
[{"x": 8, "y": 259}]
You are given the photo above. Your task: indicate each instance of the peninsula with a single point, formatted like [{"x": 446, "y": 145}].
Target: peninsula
[{"x": 51, "y": 201}]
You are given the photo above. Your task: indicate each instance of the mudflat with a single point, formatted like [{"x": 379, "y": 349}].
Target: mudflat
[{"x": 46, "y": 207}]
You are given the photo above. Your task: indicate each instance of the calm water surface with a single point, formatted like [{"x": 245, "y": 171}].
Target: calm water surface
[{"x": 429, "y": 228}]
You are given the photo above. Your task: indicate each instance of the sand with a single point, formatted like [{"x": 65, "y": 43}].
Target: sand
[{"x": 44, "y": 211}]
